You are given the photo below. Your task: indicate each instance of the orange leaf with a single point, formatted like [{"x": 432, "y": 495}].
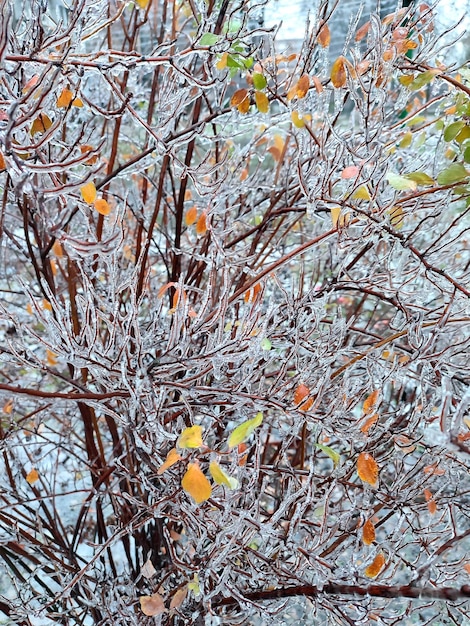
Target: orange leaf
[
  {"x": 467, "y": 567},
  {"x": 370, "y": 402},
  {"x": 65, "y": 98},
  {"x": 432, "y": 506},
  {"x": 57, "y": 248},
  {"x": 434, "y": 470},
  {"x": 152, "y": 605},
  {"x": 362, "y": 31},
  {"x": 201, "y": 225},
  {"x": 102, "y": 206},
  {"x": 87, "y": 148},
  {"x": 3, "y": 165},
  {"x": 196, "y": 484},
  {"x": 368, "y": 533},
  {"x": 376, "y": 566},
  {"x": 367, "y": 425},
  {"x": 244, "y": 106},
  {"x": 171, "y": 458},
  {"x": 8, "y": 407},
  {"x": 88, "y": 192},
  {"x": 324, "y": 36},
  {"x": 32, "y": 476},
  {"x": 252, "y": 293},
  {"x": 367, "y": 469},
  {"x": 238, "y": 97},
  {"x": 302, "y": 392},
  {"x": 262, "y": 102},
  {"x": 40, "y": 124},
  {"x": 191, "y": 216},
  {"x": 51, "y": 358},
  {"x": 31, "y": 83},
  {"x": 76, "y": 102},
  {"x": 302, "y": 86},
  {"x": 338, "y": 72},
  {"x": 46, "y": 305}
]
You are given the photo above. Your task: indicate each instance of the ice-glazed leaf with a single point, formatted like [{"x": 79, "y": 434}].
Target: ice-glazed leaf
[
  {"x": 370, "y": 402},
  {"x": 259, "y": 81},
  {"x": 40, "y": 124},
  {"x": 299, "y": 120},
  {"x": 422, "y": 179},
  {"x": 222, "y": 62},
  {"x": 302, "y": 87},
  {"x": 350, "y": 172},
  {"x": 194, "y": 586},
  {"x": 338, "y": 72},
  {"x": 3, "y": 165},
  {"x": 191, "y": 216},
  {"x": 396, "y": 216},
  {"x": 51, "y": 358},
  {"x": 376, "y": 566},
  {"x": 369, "y": 422},
  {"x": 362, "y": 193},
  {"x": 262, "y": 102},
  {"x": 220, "y": 477},
  {"x": 301, "y": 393},
  {"x": 368, "y": 533},
  {"x": 431, "y": 503},
  {"x": 191, "y": 437},
  {"x": 400, "y": 183},
  {"x": 453, "y": 130},
  {"x": 455, "y": 173},
  {"x": 266, "y": 344},
  {"x": 463, "y": 135},
  {"x": 406, "y": 140},
  {"x": 196, "y": 484},
  {"x": 65, "y": 98},
  {"x": 178, "y": 597},
  {"x": 334, "y": 456},
  {"x": 252, "y": 293},
  {"x": 208, "y": 39},
  {"x": 338, "y": 218},
  {"x": 143, "y": 4},
  {"x": 367, "y": 469},
  {"x": 324, "y": 36},
  {"x": 102, "y": 206},
  {"x": 201, "y": 224},
  {"x": 243, "y": 431},
  {"x": 88, "y": 192},
  {"x": 32, "y": 476},
  {"x": 362, "y": 31},
  {"x": 238, "y": 97},
  {"x": 171, "y": 458},
  {"x": 152, "y": 605},
  {"x": 423, "y": 79},
  {"x": 148, "y": 570}
]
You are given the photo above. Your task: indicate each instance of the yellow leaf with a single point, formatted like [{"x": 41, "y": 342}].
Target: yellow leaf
[
  {"x": 32, "y": 476},
  {"x": 362, "y": 193},
  {"x": 338, "y": 219},
  {"x": 65, "y": 98},
  {"x": 376, "y": 566},
  {"x": 76, "y": 102},
  {"x": 171, "y": 458},
  {"x": 324, "y": 36},
  {"x": 244, "y": 430},
  {"x": 338, "y": 72},
  {"x": 143, "y": 4},
  {"x": 102, "y": 206},
  {"x": 191, "y": 437},
  {"x": 191, "y": 216},
  {"x": 299, "y": 120},
  {"x": 88, "y": 192},
  {"x": 262, "y": 102},
  {"x": 368, "y": 533},
  {"x": 40, "y": 124},
  {"x": 367, "y": 469},
  {"x": 222, "y": 62},
  {"x": 196, "y": 484},
  {"x": 152, "y": 605},
  {"x": 220, "y": 477}
]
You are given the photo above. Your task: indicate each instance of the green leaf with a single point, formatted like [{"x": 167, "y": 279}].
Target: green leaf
[
  {"x": 417, "y": 119},
  {"x": 248, "y": 63},
  {"x": 407, "y": 139},
  {"x": 423, "y": 79},
  {"x": 463, "y": 135},
  {"x": 266, "y": 344},
  {"x": 208, "y": 39},
  {"x": 400, "y": 183},
  {"x": 466, "y": 155},
  {"x": 421, "y": 178},
  {"x": 334, "y": 456},
  {"x": 233, "y": 60},
  {"x": 455, "y": 173},
  {"x": 259, "y": 81},
  {"x": 453, "y": 130},
  {"x": 244, "y": 430}
]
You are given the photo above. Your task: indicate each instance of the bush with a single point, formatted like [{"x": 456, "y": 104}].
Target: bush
[{"x": 234, "y": 318}]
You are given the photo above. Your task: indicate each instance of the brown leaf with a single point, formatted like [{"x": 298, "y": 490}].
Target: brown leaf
[
  {"x": 362, "y": 31},
  {"x": 370, "y": 421},
  {"x": 324, "y": 36},
  {"x": 238, "y": 97},
  {"x": 178, "y": 597},
  {"x": 152, "y": 605},
  {"x": 3, "y": 165}
]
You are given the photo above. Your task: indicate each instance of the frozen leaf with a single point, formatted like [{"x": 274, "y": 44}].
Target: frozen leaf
[
  {"x": 194, "y": 586},
  {"x": 368, "y": 533},
  {"x": 352, "y": 171},
  {"x": 191, "y": 437},
  {"x": 88, "y": 192},
  {"x": 148, "y": 570},
  {"x": 376, "y": 566},
  {"x": 406, "y": 140},
  {"x": 396, "y": 216},
  {"x": 76, "y": 102},
  {"x": 143, "y": 4},
  {"x": 362, "y": 31},
  {"x": 318, "y": 84},
  {"x": 32, "y": 476},
  {"x": 299, "y": 120},
  {"x": 431, "y": 503},
  {"x": 338, "y": 72},
  {"x": 370, "y": 421},
  {"x": 238, "y": 97},
  {"x": 191, "y": 216},
  {"x": 362, "y": 193},
  {"x": 32, "y": 82},
  {"x": 455, "y": 173},
  {"x": 84, "y": 150},
  {"x": 422, "y": 179},
  {"x": 171, "y": 458},
  {"x": 467, "y": 567},
  {"x": 201, "y": 224},
  {"x": 51, "y": 358},
  {"x": 40, "y": 124},
  {"x": 252, "y": 293},
  {"x": 334, "y": 456},
  {"x": 301, "y": 393},
  {"x": 3, "y": 165},
  {"x": 152, "y": 605},
  {"x": 220, "y": 477},
  {"x": 422, "y": 79},
  {"x": 259, "y": 81},
  {"x": 208, "y": 39},
  {"x": 370, "y": 402},
  {"x": 8, "y": 407},
  {"x": 453, "y": 130},
  {"x": 222, "y": 62},
  {"x": 196, "y": 484},
  {"x": 65, "y": 98},
  {"x": 338, "y": 218},
  {"x": 367, "y": 469},
  {"x": 324, "y": 36},
  {"x": 262, "y": 102},
  {"x": 266, "y": 344},
  {"x": 102, "y": 206},
  {"x": 400, "y": 183},
  {"x": 302, "y": 87},
  {"x": 178, "y": 597},
  {"x": 243, "y": 431}
]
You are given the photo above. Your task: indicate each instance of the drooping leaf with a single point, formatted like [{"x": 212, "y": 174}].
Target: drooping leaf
[
  {"x": 369, "y": 422},
  {"x": 362, "y": 31},
  {"x": 397, "y": 215},
  {"x": 374, "y": 569},
  {"x": 191, "y": 437},
  {"x": 51, "y": 358},
  {"x": 252, "y": 294},
  {"x": 361, "y": 193},
  {"x": 455, "y": 173},
  {"x": 334, "y": 456},
  {"x": 338, "y": 218},
  {"x": 400, "y": 183},
  {"x": 148, "y": 570},
  {"x": 367, "y": 469},
  {"x": 299, "y": 120},
  {"x": 259, "y": 81},
  {"x": 143, "y": 4},
  {"x": 370, "y": 402},
  {"x": 421, "y": 178},
  {"x": 463, "y": 135},
  {"x": 423, "y": 79},
  {"x": 266, "y": 344},
  {"x": 65, "y": 98},
  {"x": 84, "y": 150},
  {"x": 3, "y": 165},
  {"x": 406, "y": 140},
  {"x": 324, "y": 36},
  {"x": 196, "y": 484},
  {"x": 349, "y": 172},
  {"x": 431, "y": 503},
  {"x": 32, "y": 476},
  {"x": 302, "y": 87},
  {"x": 102, "y": 206},
  {"x": 171, "y": 458},
  {"x": 222, "y": 62},
  {"x": 208, "y": 39},
  {"x": 453, "y": 130},
  {"x": 88, "y": 192},
  {"x": 220, "y": 477},
  {"x": 191, "y": 216},
  {"x": 40, "y": 124},
  {"x": 238, "y": 97},
  {"x": 301, "y": 393},
  {"x": 152, "y": 605},
  {"x": 201, "y": 224},
  {"x": 243, "y": 431},
  {"x": 194, "y": 586},
  {"x": 338, "y": 72},
  {"x": 178, "y": 597},
  {"x": 368, "y": 533},
  {"x": 262, "y": 102}
]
